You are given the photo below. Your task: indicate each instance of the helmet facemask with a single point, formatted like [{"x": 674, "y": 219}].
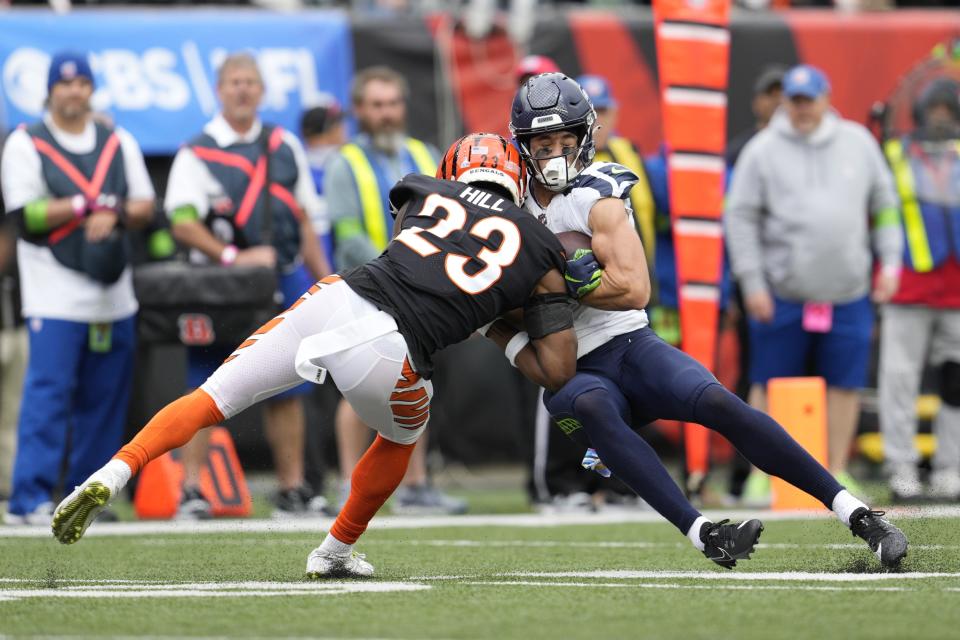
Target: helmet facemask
[{"x": 560, "y": 170}]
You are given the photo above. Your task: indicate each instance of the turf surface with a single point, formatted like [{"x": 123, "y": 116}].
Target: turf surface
[{"x": 615, "y": 581}]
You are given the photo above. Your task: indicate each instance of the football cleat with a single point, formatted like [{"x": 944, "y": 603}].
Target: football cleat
[
  {"x": 79, "y": 509},
  {"x": 884, "y": 539},
  {"x": 726, "y": 543},
  {"x": 323, "y": 564}
]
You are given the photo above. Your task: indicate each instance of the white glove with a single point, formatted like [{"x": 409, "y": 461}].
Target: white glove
[{"x": 592, "y": 462}]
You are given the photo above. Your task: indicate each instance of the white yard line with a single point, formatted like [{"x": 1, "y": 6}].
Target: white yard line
[
  {"x": 79, "y": 581},
  {"x": 255, "y": 585},
  {"x": 314, "y": 525},
  {"x": 99, "y": 589},
  {"x": 158, "y": 637},
  {"x": 465, "y": 543},
  {"x": 669, "y": 585},
  {"x": 743, "y": 576},
  {"x": 215, "y": 590}
]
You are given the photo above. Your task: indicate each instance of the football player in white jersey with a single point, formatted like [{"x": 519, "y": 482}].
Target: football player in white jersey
[{"x": 625, "y": 373}]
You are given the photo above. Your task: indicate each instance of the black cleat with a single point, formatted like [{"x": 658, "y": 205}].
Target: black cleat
[
  {"x": 885, "y": 540},
  {"x": 726, "y": 543}
]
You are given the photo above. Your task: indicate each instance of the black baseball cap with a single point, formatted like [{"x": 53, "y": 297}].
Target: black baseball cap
[
  {"x": 320, "y": 119},
  {"x": 770, "y": 78}
]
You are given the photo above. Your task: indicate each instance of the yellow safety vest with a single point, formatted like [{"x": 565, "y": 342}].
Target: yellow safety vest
[
  {"x": 916, "y": 231},
  {"x": 371, "y": 200},
  {"x": 622, "y": 151}
]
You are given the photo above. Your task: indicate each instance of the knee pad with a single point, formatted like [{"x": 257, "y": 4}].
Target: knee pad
[
  {"x": 570, "y": 400},
  {"x": 560, "y": 403},
  {"x": 716, "y": 400},
  {"x": 566, "y": 405},
  {"x": 403, "y": 435},
  {"x": 950, "y": 383}
]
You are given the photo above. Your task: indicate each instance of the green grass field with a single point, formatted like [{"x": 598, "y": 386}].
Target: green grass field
[{"x": 808, "y": 579}]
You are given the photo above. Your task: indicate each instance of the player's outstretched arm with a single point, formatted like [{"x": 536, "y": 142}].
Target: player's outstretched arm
[
  {"x": 548, "y": 355},
  {"x": 625, "y": 283}
]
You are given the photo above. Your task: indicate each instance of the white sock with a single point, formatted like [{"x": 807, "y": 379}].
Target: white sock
[
  {"x": 119, "y": 473},
  {"x": 694, "y": 532},
  {"x": 334, "y": 546},
  {"x": 844, "y": 504}
]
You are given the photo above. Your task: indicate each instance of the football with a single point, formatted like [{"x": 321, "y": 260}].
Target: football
[{"x": 573, "y": 240}]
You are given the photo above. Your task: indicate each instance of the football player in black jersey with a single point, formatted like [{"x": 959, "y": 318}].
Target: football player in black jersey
[{"x": 463, "y": 254}]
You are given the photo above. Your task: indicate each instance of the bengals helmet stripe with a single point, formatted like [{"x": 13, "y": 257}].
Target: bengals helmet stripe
[{"x": 485, "y": 157}]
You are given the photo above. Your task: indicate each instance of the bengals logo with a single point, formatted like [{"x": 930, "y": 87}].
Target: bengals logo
[{"x": 196, "y": 329}]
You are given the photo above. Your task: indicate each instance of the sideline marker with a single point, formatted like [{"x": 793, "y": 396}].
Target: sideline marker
[
  {"x": 221, "y": 481},
  {"x": 800, "y": 405}
]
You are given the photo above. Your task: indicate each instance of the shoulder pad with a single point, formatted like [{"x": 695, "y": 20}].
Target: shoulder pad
[{"x": 609, "y": 179}]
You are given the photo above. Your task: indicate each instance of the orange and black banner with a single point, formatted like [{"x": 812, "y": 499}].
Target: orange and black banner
[{"x": 621, "y": 46}]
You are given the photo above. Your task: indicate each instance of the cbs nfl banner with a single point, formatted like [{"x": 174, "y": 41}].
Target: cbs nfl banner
[{"x": 155, "y": 71}]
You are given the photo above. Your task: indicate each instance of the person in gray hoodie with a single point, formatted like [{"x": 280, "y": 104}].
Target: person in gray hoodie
[{"x": 810, "y": 195}]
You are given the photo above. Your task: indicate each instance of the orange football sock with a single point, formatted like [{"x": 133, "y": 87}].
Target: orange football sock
[
  {"x": 374, "y": 479},
  {"x": 172, "y": 427}
]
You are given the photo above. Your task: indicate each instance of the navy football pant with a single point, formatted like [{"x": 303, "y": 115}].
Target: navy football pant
[{"x": 637, "y": 374}]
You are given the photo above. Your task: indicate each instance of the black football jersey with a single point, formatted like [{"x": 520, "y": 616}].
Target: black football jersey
[{"x": 462, "y": 258}]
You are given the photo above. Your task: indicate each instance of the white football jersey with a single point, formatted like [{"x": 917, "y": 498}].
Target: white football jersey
[{"x": 570, "y": 211}]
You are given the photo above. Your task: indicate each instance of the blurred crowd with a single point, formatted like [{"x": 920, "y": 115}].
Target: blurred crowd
[{"x": 825, "y": 226}]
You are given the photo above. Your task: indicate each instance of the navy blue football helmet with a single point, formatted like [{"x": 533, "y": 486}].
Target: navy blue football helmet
[{"x": 553, "y": 102}]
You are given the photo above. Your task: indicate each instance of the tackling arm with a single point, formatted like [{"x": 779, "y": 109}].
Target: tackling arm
[
  {"x": 625, "y": 283},
  {"x": 551, "y": 360}
]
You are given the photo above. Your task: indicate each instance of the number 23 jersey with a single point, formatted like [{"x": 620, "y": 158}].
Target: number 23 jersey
[{"x": 463, "y": 257}]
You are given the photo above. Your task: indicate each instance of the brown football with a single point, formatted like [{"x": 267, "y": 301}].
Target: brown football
[{"x": 573, "y": 240}]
